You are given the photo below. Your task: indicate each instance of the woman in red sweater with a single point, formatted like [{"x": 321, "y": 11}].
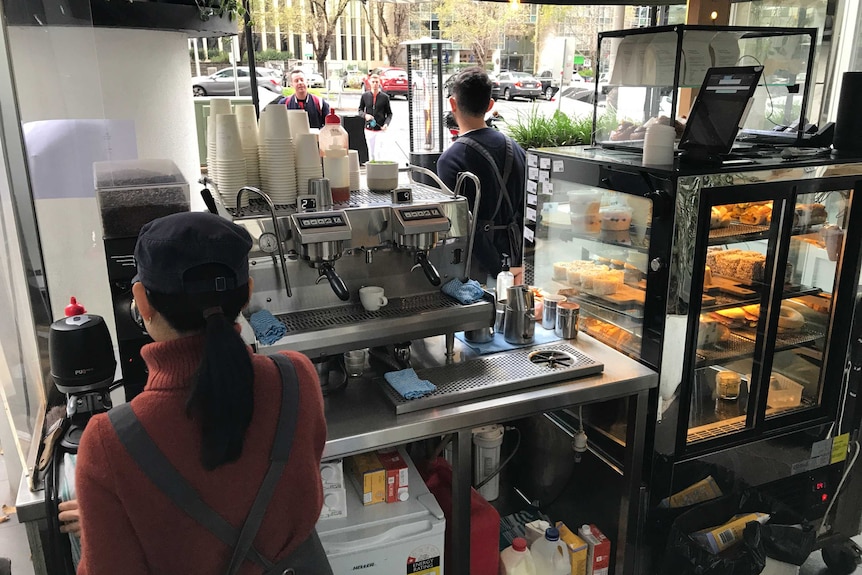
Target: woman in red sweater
[{"x": 211, "y": 406}]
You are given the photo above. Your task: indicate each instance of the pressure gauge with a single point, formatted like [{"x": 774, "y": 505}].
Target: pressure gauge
[{"x": 268, "y": 242}]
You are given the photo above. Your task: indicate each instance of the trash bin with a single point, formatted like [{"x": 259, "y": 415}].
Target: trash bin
[{"x": 683, "y": 555}]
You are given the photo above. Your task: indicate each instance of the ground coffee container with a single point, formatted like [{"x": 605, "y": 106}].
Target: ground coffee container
[
  {"x": 549, "y": 312},
  {"x": 566, "y": 325}
]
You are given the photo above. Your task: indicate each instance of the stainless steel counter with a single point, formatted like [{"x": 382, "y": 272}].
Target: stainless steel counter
[{"x": 360, "y": 418}]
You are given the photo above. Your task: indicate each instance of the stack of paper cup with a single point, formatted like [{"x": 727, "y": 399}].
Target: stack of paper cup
[
  {"x": 277, "y": 163},
  {"x": 308, "y": 165},
  {"x": 229, "y": 159},
  {"x": 212, "y": 170},
  {"x": 217, "y": 106},
  {"x": 248, "y": 133},
  {"x": 353, "y": 162},
  {"x": 298, "y": 120}
]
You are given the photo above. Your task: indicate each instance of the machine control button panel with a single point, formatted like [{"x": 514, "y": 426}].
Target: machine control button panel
[
  {"x": 428, "y": 218},
  {"x": 321, "y": 220}
]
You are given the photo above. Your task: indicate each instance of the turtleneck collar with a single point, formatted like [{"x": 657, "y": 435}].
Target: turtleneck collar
[{"x": 172, "y": 363}]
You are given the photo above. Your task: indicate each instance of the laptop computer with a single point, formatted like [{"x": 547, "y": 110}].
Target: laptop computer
[{"x": 718, "y": 113}]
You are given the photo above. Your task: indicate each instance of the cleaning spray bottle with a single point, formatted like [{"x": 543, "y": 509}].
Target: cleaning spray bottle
[{"x": 505, "y": 279}]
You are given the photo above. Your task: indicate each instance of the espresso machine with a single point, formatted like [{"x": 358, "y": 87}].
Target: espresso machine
[{"x": 378, "y": 239}]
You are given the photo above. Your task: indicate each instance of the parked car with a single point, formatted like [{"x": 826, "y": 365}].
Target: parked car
[
  {"x": 314, "y": 80},
  {"x": 518, "y": 85},
  {"x": 222, "y": 82},
  {"x": 550, "y": 84},
  {"x": 393, "y": 81}
]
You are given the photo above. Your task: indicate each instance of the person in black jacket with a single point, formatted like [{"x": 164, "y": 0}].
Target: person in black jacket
[
  {"x": 378, "y": 114},
  {"x": 498, "y": 162},
  {"x": 316, "y": 108}
]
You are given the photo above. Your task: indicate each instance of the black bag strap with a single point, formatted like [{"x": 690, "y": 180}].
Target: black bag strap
[
  {"x": 501, "y": 178},
  {"x": 167, "y": 479},
  {"x": 278, "y": 459}
]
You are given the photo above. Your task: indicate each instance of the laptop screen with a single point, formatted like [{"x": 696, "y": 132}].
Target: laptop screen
[{"x": 720, "y": 109}]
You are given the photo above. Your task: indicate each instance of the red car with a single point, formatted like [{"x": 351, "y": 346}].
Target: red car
[{"x": 393, "y": 81}]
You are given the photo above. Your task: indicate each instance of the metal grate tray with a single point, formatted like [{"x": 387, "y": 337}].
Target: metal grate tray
[
  {"x": 332, "y": 330},
  {"x": 737, "y": 232},
  {"x": 741, "y": 344},
  {"x": 494, "y": 374},
  {"x": 737, "y": 424}
]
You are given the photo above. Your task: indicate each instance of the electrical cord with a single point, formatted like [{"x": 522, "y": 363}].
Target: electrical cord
[
  {"x": 766, "y": 87},
  {"x": 504, "y": 462},
  {"x": 823, "y": 526}
]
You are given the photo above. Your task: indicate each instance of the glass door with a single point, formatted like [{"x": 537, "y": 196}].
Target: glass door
[
  {"x": 730, "y": 328},
  {"x": 796, "y": 381}
]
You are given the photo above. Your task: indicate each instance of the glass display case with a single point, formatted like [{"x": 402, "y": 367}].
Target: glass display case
[
  {"x": 730, "y": 282},
  {"x": 654, "y": 73}
]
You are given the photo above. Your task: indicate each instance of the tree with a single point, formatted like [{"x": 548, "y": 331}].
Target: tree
[
  {"x": 392, "y": 25},
  {"x": 479, "y": 25},
  {"x": 318, "y": 18}
]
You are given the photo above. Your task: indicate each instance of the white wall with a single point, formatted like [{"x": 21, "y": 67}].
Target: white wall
[{"x": 87, "y": 73}]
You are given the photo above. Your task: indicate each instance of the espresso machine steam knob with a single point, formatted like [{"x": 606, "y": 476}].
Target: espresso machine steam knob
[
  {"x": 335, "y": 282},
  {"x": 430, "y": 271}
]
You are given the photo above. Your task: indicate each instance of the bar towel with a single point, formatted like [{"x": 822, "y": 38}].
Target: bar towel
[
  {"x": 408, "y": 384},
  {"x": 267, "y": 328},
  {"x": 467, "y": 292}
]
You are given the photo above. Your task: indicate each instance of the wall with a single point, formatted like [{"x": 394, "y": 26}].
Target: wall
[{"x": 86, "y": 73}]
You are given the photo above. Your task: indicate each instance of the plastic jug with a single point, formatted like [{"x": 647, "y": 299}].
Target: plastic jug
[
  {"x": 517, "y": 559},
  {"x": 551, "y": 555},
  {"x": 332, "y": 135}
]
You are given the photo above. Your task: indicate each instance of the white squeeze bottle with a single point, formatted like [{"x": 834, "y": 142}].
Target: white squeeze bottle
[
  {"x": 551, "y": 555},
  {"x": 505, "y": 279},
  {"x": 516, "y": 559}
]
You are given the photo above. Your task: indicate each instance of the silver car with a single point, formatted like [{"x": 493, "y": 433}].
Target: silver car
[
  {"x": 517, "y": 85},
  {"x": 222, "y": 82}
]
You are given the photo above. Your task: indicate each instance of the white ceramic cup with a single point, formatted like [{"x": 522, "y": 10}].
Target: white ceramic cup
[{"x": 372, "y": 298}]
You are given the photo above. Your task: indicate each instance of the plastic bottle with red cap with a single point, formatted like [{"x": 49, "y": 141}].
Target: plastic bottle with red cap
[
  {"x": 333, "y": 143},
  {"x": 516, "y": 559},
  {"x": 74, "y": 308}
]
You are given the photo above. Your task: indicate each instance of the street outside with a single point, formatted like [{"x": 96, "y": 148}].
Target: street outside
[{"x": 397, "y": 143}]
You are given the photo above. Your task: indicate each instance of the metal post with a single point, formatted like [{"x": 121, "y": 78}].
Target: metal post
[
  {"x": 249, "y": 46},
  {"x": 462, "y": 470}
]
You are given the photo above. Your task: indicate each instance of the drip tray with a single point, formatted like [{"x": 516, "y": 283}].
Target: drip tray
[{"x": 494, "y": 374}]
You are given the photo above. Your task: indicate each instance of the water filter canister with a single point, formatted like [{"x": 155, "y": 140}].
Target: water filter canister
[{"x": 487, "y": 441}]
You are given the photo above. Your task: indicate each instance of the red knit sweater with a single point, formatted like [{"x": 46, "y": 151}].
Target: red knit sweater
[{"x": 130, "y": 527}]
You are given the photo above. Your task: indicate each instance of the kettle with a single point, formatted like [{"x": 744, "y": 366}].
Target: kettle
[{"x": 519, "y": 320}]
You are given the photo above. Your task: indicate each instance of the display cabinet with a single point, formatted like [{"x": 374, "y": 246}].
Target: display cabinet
[
  {"x": 653, "y": 74},
  {"x": 736, "y": 284}
]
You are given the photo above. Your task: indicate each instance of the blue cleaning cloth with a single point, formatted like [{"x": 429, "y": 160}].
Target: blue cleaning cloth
[
  {"x": 499, "y": 343},
  {"x": 466, "y": 292},
  {"x": 267, "y": 328},
  {"x": 408, "y": 384}
]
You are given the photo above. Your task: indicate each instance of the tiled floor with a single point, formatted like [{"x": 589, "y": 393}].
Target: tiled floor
[{"x": 13, "y": 540}]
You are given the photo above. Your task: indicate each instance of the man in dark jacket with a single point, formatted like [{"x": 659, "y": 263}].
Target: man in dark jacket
[
  {"x": 316, "y": 108},
  {"x": 378, "y": 114},
  {"x": 498, "y": 162}
]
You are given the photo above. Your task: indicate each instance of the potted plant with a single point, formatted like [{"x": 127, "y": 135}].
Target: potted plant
[{"x": 381, "y": 175}]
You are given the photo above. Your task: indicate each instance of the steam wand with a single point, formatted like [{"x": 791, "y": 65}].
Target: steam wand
[{"x": 271, "y": 206}]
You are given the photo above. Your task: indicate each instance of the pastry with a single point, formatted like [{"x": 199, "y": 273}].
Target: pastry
[
  {"x": 707, "y": 276},
  {"x": 710, "y": 332},
  {"x": 789, "y": 319},
  {"x": 718, "y": 218},
  {"x": 560, "y": 269},
  {"x": 615, "y": 218},
  {"x": 756, "y": 215}
]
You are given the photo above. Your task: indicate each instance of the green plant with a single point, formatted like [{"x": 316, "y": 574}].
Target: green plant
[
  {"x": 234, "y": 9},
  {"x": 534, "y": 130}
]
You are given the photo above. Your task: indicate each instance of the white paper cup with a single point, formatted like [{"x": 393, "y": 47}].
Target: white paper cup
[
  {"x": 275, "y": 126},
  {"x": 228, "y": 141},
  {"x": 219, "y": 106},
  {"x": 307, "y": 152},
  {"x": 298, "y": 120},
  {"x": 353, "y": 155}
]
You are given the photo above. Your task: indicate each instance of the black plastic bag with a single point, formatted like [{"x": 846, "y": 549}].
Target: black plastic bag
[
  {"x": 789, "y": 543},
  {"x": 685, "y": 556}
]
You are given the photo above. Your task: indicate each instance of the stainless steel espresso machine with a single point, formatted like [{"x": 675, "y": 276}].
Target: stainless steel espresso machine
[{"x": 308, "y": 267}]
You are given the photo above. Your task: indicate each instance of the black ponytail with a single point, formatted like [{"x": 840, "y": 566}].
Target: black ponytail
[{"x": 222, "y": 396}]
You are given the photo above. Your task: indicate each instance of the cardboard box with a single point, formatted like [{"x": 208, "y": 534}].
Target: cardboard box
[
  {"x": 599, "y": 555},
  {"x": 334, "y": 504},
  {"x": 578, "y": 549},
  {"x": 396, "y": 474},
  {"x": 332, "y": 474},
  {"x": 369, "y": 476}
]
